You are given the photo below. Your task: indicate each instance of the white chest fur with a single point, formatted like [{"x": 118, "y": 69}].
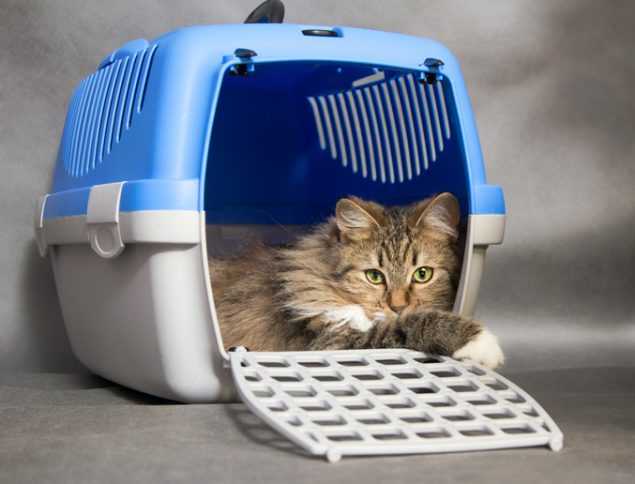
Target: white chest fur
[{"x": 352, "y": 315}]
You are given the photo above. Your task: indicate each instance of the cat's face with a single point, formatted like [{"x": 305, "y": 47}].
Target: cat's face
[{"x": 391, "y": 261}]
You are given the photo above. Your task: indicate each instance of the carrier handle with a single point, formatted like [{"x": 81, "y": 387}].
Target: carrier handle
[{"x": 269, "y": 12}]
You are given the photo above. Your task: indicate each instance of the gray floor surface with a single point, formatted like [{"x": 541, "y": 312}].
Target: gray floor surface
[{"x": 70, "y": 428}]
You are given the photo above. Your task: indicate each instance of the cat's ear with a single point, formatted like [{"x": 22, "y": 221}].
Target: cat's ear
[
  {"x": 356, "y": 218},
  {"x": 440, "y": 214}
]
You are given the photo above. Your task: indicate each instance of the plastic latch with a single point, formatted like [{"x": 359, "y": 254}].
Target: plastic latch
[
  {"x": 38, "y": 225},
  {"x": 102, "y": 220}
]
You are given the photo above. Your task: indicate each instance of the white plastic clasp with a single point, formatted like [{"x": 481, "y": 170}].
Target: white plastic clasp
[
  {"x": 38, "y": 226},
  {"x": 487, "y": 229},
  {"x": 102, "y": 220}
]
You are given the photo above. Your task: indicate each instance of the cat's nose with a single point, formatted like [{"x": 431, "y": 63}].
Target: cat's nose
[
  {"x": 398, "y": 308},
  {"x": 398, "y": 300}
]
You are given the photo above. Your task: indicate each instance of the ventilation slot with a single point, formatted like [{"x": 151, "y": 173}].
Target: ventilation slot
[
  {"x": 390, "y": 131},
  {"x": 103, "y": 109}
]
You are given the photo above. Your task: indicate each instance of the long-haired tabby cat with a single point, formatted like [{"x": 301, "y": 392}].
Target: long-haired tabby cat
[{"x": 370, "y": 277}]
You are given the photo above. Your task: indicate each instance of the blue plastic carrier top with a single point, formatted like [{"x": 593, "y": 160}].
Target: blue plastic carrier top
[{"x": 270, "y": 123}]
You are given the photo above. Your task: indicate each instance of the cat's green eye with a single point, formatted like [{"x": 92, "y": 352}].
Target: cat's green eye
[
  {"x": 374, "y": 276},
  {"x": 422, "y": 275}
]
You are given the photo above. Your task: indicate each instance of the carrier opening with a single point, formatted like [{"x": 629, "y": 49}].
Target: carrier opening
[{"x": 291, "y": 138}]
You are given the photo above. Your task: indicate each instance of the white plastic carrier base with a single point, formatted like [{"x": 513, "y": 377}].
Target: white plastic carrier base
[{"x": 381, "y": 402}]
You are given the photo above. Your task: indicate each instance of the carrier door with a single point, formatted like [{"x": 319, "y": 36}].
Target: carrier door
[{"x": 380, "y": 402}]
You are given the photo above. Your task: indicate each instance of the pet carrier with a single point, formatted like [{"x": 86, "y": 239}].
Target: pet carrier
[{"x": 257, "y": 125}]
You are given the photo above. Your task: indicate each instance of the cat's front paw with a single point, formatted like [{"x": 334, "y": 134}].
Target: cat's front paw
[{"x": 483, "y": 349}]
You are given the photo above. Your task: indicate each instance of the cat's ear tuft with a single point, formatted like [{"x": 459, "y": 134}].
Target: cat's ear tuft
[
  {"x": 440, "y": 214},
  {"x": 356, "y": 218}
]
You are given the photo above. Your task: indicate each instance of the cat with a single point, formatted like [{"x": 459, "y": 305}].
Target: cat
[{"x": 370, "y": 277}]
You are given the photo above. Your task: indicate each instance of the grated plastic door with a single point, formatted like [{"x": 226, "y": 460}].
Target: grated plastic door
[{"x": 379, "y": 402}]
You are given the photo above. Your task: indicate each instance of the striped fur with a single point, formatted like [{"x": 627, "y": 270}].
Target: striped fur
[{"x": 314, "y": 294}]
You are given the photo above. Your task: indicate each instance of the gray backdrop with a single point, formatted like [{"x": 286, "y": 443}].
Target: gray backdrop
[{"x": 552, "y": 87}]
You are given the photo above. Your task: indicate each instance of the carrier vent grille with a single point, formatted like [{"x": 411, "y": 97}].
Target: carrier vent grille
[
  {"x": 390, "y": 131},
  {"x": 103, "y": 109}
]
